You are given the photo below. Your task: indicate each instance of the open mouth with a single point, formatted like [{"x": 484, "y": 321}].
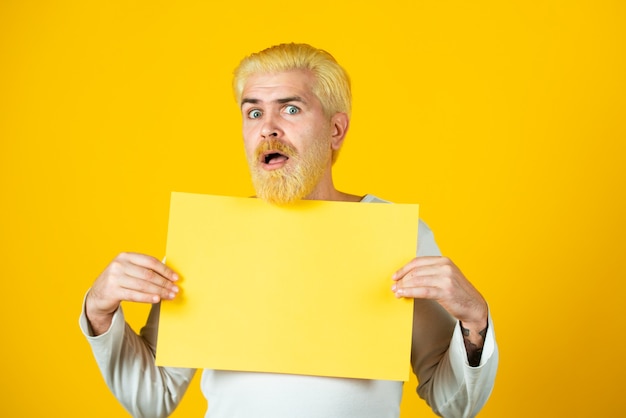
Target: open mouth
[{"x": 273, "y": 158}]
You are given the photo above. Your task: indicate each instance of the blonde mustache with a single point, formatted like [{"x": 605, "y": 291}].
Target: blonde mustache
[{"x": 274, "y": 144}]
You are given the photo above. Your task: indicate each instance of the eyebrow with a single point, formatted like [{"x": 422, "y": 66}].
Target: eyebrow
[{"x": 279, "y": 101}]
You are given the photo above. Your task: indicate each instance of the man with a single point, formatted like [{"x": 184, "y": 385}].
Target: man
[{"x": 295, "y": 104}]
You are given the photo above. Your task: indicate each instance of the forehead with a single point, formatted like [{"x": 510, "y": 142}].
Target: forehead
[{"x": 274, "y": 86}]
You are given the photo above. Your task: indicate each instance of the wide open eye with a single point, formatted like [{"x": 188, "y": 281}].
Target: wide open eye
[
  {"x": 291, "y": 109},
  {"x": 254, "y": 114}
]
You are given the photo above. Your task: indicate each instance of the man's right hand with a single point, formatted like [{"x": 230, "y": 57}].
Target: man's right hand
[{"x": 131, "y": 277}]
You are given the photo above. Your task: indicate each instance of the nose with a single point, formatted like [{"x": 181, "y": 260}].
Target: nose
[
  {"x": 269, "y": 132},
  {"x": 270, "y": 129}
]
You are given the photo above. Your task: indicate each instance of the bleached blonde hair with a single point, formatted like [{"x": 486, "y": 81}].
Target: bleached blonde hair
[{"x": 332, "y": 87}]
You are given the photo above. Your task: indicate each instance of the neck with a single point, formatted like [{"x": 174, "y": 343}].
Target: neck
[{"x": 325, "y": 190}]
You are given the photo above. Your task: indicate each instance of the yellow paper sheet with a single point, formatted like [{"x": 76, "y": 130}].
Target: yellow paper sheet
[{"x": 303, "y": 289}]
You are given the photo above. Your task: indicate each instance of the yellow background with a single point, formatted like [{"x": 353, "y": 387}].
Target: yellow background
[{"x": 503, "y": 120}]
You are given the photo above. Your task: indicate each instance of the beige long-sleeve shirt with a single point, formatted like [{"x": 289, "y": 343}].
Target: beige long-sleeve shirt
[{"x": 446, "y": 381}]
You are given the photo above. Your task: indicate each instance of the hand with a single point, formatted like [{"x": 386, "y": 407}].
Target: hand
[
  {"x": 129, "y": 277},
  {"x": 437, "y": 278}
]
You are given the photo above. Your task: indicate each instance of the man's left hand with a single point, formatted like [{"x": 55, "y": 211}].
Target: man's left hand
[{"x": 439, "y": 279}]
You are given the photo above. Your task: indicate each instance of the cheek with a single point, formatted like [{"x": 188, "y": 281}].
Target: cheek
[
  {"x": 319, "y": 137},
  {"x": 248, "y": 140}
]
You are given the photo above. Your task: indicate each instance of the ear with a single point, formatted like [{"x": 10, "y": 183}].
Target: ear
[{"x": 339, "y": 123}]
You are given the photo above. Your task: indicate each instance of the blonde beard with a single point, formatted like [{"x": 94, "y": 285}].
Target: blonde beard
[{"x": 296, "y": 180}]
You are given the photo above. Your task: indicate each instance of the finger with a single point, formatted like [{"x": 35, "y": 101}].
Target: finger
[
  {"x": 137, "y": 272},
  {"x": 154, "y": 264},
  {"x": 147, "y": 288},
  {"x": 424, "y": 272},
  {"x": 142, "y": 297},
  {"x": 416, "y": 263},
  {"x": 420, "y": 287},
  {"x": 419, "y": 292},
  {"x": 440, "y": 267},
  {"x": 148, "y": 275},
  {"x": 416, "y": 279}
]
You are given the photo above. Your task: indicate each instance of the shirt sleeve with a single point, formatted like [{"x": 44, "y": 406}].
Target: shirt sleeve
[
  {"x": 447, "y": 382},
  {"x": 126, "y": 361}
]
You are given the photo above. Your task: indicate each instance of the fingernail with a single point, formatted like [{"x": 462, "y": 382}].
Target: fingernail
[
  {"x": 393, "y": 288},
  {"x": 175, "y": 289},
  {"x": 172, "y": 295},
  {"x": 174, "y": 277}
]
